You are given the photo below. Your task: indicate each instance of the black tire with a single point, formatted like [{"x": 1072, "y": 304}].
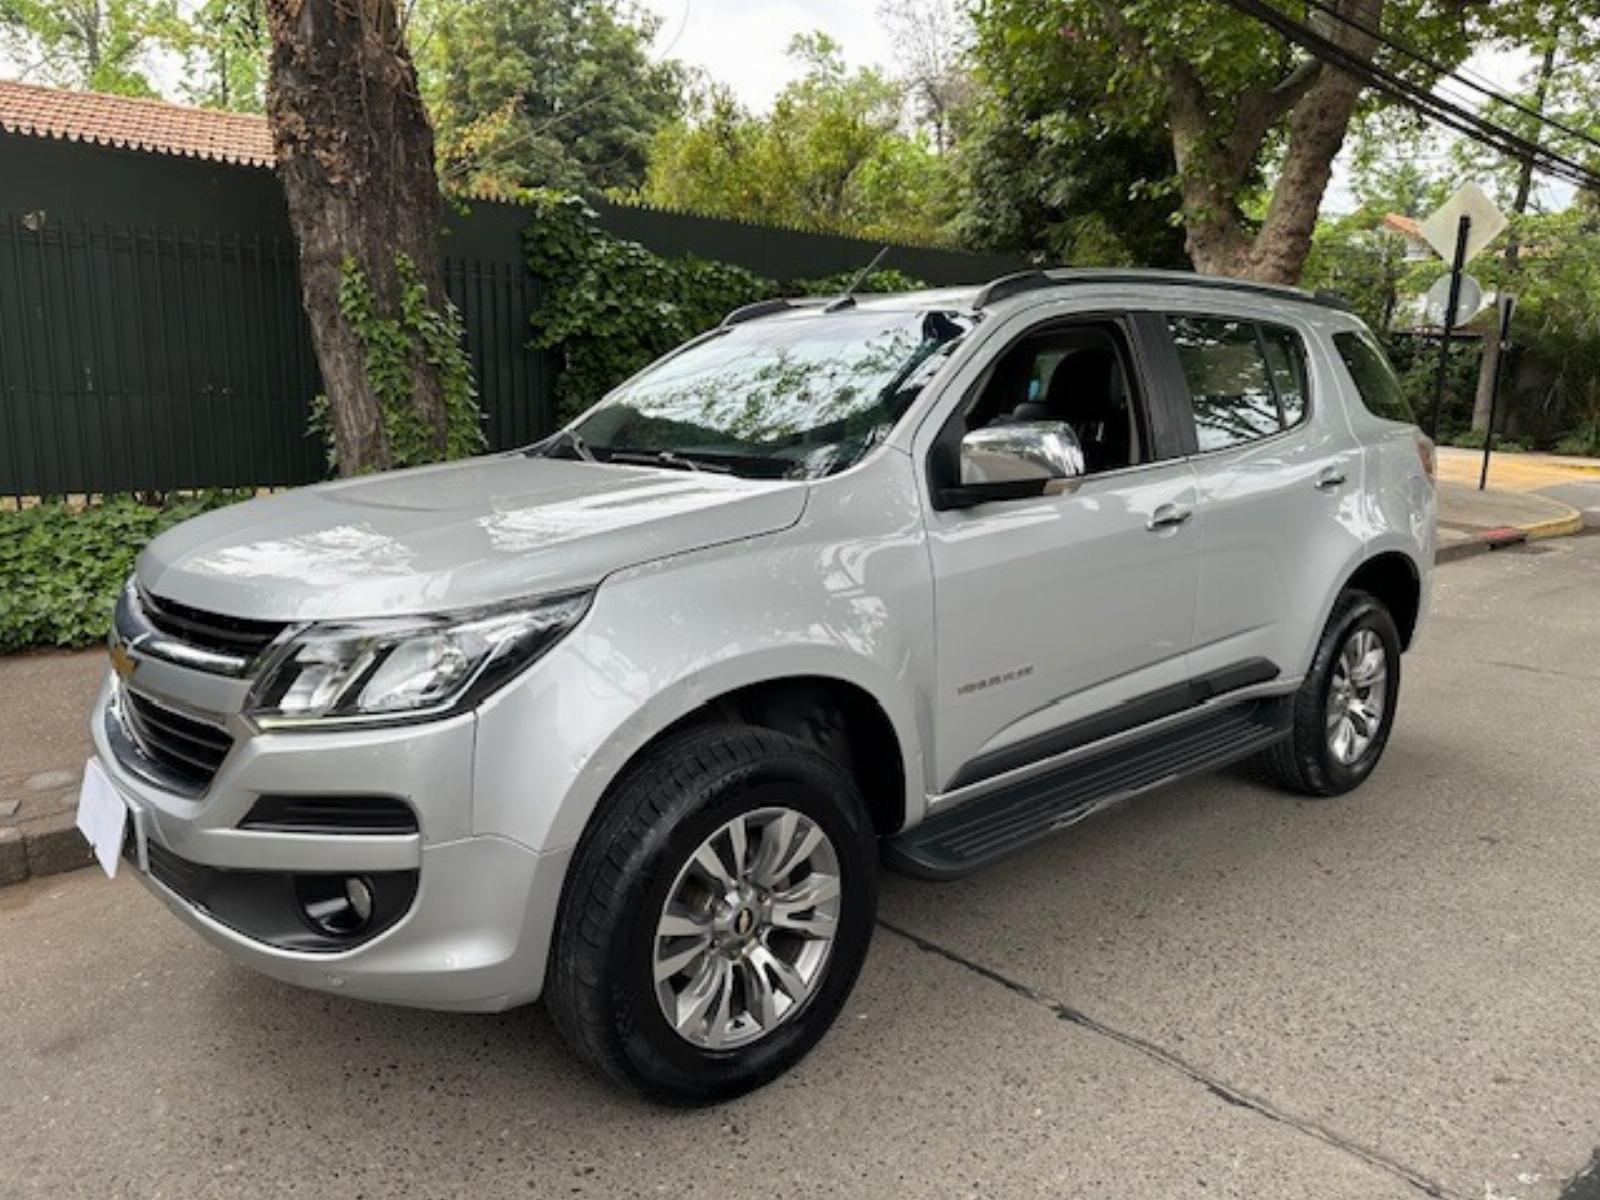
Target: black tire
[
  {"x": 1304, "y": 762},
  {"x": 600, "y": 987}
]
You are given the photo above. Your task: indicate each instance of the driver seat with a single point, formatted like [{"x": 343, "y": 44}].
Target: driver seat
[{"x": 1086, "y": 391}]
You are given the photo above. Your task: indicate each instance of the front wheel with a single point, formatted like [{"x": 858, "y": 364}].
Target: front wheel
[
  {"x": 717, "y": 915},
  {"x": 1344, "y": 710}
]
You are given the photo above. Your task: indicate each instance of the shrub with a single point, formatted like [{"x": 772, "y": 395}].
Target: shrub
[
  {"x": 608, "y": 306},
  {"x": 61, "y": 566},
  {"x": 1586, "y": 441},
  {"x": 1472, "y": 439}
]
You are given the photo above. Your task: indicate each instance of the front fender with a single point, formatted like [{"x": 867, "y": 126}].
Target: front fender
[{"x": 664, "y": 640}]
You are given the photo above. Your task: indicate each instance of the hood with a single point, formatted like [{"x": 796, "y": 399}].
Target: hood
[{"x": 451, "y": 536}]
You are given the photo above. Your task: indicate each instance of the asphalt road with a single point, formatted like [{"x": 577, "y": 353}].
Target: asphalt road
[{"x": 1218, "y": 991}]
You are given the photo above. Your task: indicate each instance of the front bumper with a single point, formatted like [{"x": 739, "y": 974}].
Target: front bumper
[{"x": 474, "y": 937}]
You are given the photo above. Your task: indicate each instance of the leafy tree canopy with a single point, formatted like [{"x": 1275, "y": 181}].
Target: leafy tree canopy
[
  {"x": 543, "y": 93},
  {"x": 101, "y": 45},
  {"x": 1238, "y": 102},
  {"x": 1048, "y": 170},
  {"x": 831, "y": 155}
]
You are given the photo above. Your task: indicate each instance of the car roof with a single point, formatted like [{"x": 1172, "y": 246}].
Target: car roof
[{"x": 997, "y": 292}]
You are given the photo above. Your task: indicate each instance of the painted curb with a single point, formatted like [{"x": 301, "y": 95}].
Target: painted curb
[{"x": 1556, "y": 526}]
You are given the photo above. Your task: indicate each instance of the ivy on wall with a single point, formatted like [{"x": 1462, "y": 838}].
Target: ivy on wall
[
  {"x": 391, "y": 345},
  {"x": 609, "y": 306}
]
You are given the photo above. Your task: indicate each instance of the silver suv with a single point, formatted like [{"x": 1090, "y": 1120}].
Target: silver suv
[{"x": 627, "y": 718}]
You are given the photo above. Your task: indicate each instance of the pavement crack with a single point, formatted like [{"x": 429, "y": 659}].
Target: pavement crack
[{"x": 1166, "y": 1058}]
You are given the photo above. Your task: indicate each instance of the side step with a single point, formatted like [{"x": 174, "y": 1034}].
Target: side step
[{"x": 991, "y": 827}]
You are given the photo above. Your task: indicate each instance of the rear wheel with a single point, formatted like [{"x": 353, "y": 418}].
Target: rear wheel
[
  {"x": 1345, "y": 708},
  {"x": 716, "y": 916}
]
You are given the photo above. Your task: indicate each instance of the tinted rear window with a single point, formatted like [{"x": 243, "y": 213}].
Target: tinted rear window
[{"x": 1374, "y": 378}]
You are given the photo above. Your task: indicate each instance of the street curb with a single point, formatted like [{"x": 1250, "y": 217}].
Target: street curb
[
  {"x": 1556, "y": 526},
  {"x": 1491, "y": 539},
  {"x": 55, "y": 845},
  {"x": 1514, "y": 535}
]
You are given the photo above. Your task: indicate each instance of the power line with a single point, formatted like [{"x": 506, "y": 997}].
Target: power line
[
  {"x": 1455, "y": 76},
  {"x": 1437, "y": 108}
]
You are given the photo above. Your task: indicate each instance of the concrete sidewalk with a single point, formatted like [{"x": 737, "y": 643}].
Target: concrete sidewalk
[
  {"x": 1471, "y": 521},
  {"x": 1516, "y": 472},
  {"x": 45, "y": 698}
]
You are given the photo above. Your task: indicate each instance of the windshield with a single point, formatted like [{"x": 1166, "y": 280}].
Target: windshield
[{"x": 797, "y": 398}]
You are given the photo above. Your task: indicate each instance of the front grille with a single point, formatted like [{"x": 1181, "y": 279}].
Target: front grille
[
  {"x": 187, "y": 749},
  {"x": 209, "y": 631}
]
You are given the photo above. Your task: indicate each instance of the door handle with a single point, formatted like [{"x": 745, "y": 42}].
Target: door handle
[
  {"x": 1168, "y": 516},
  {"x": 1329, "y": 479}
]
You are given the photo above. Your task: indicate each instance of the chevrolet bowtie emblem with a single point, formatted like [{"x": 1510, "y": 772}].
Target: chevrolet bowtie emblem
[{"x": 123, "y": 663}]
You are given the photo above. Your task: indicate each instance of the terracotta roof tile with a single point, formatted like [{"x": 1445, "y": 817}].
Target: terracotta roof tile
[
  {"x": 1401, "y": 223},
  {"x": 135, "y": 124}
]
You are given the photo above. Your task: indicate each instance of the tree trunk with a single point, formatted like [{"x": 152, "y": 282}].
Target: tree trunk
[
  {"x": 1317, "y": 126},
  {"x": 355, "y": 156},
  {"x": 1215, "y": 163}
]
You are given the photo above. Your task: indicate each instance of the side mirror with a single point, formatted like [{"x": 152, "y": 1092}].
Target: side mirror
[{"x": 1014, "y": 461}]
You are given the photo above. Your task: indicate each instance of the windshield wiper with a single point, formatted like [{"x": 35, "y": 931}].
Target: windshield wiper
[{"x": 666, "y": 458}]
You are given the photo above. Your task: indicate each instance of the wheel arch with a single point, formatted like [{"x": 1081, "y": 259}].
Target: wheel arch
[
  {"x": 1393, "y": 578},
  {"x": 839, "y": 717}
]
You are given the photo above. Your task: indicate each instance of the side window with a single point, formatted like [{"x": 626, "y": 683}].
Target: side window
[
  {"x": 1286, "y": 359},
  {"x": 1228, "y": 381},
  {"x": 1374, "y": 378},
  {"x": 1246, "y": 381}
]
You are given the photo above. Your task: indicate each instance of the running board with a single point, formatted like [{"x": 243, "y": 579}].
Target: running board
[{"x": 984, "y": 830}]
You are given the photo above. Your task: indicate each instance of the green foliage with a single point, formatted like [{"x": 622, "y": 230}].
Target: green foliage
[
  {"x": 101, "y": 45},
  {"x": 542, "y": 93},
  {"x": 61, "y": 566},
  {"x": 1557, "y": 389},
  {"x": 885, "y": 279},
  {"x": 1416, "y": 359},
  {"x": 1473, "y": 439},
  {"x": 1050, "y": 167},
  {"x": 831, "y": 155},
  {"x": 609, "y": 306},
  {"x": 224, "y": 47},
  {"x": 393, "y": 346},
  {"x": 1585, "y": 441}
]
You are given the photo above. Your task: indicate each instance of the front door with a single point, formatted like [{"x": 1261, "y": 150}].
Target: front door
[{"x": 1052, "y": 614}]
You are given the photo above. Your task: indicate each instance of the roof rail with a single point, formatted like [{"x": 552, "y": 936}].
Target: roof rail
[
  {"x": 1026, "y": 281},
  {"x": 1011, "y": 285},
  {"x": 761, "y": 308}
]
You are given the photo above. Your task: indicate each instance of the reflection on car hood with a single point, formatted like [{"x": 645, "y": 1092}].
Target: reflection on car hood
[{"x": 451, "y": 536}]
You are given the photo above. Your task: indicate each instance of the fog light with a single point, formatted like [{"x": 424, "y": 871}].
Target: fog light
[{"x": 339, "y": 906}]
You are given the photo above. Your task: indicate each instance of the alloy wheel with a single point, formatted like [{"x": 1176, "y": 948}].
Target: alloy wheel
[
  {"x": 1357, "y": 696},
  {"x": 747, "y": 927}
]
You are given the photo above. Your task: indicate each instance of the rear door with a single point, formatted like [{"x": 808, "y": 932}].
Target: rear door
[{"x": 1278, "y": 475}]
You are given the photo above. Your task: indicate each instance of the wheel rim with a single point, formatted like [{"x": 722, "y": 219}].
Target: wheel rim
[
  {"x": 1357, "y": 696},
  {"x": 747, "y": 928}
]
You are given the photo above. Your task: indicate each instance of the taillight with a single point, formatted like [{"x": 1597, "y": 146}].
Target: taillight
[{"x": 1425, "y": 453}]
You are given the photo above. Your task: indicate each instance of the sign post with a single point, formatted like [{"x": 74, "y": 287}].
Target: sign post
[
  {"x": 1447, "y": 323},
  {"x": 1508, "y": 305},
  {"x": 1459, "y": 230}
]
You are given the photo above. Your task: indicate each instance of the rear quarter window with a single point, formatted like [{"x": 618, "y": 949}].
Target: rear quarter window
[{"x": 1375, "y": 380}]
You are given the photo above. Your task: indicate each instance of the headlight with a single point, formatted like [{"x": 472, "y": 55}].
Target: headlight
[{"x": 406, "y": 668}]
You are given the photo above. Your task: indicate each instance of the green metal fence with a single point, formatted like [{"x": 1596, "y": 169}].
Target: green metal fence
[{"x": 145, "y": 358}]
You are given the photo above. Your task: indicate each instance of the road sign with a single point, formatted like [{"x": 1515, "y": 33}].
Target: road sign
[
  {"x": 1488, "y": 222},
  {"x": 1468, "y": 304}
]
